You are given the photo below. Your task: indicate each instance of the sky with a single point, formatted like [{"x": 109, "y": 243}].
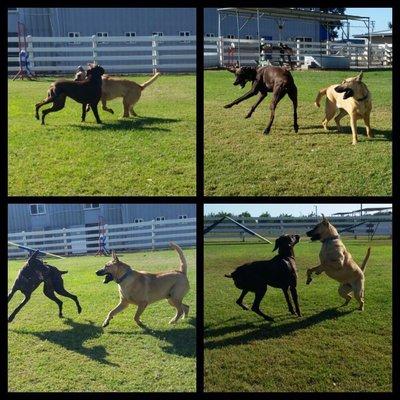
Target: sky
[
  {"x": 381, "y": 16},
  {"x": 295, "y": 209}
]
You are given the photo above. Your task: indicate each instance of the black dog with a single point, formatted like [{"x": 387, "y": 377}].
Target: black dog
[
  {"x": 32, "y": 274},
  {"x": 85, "y": 92},
  {"x": 279, "y": 272},
  {"x": 277, "y": 80}
]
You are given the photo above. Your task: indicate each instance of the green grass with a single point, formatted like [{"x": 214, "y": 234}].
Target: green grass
[
  {"x": 239, "y": 160},
  {"x": 154, "y": 154},
  {"x": 328, "y": 349},
  {"x": 46, "y": 353}
]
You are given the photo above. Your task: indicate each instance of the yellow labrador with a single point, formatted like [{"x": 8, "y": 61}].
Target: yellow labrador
[
  {"x": 338, "y": 263},
  {"x": 143, "y": 288},
  {"x": 350, "y": 97}
]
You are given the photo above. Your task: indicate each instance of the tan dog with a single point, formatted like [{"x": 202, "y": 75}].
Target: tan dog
[
  {"x": 128, "y": 90},
  {"x": 143, "y": 288},
  {"x": 350, "y": 97},
  {"x": 337, "y": 263}
]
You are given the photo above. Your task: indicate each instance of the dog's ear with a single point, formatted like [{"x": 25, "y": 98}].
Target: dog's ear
[
  {"x": 359, "y": 77},
  {"x": 276, "y": 244},
  {"x": 324, "y": 220},
  {"x": 33, "y": 255},
  {"x": 114, "y": 256},
  {"x": 231, "y": 69}
]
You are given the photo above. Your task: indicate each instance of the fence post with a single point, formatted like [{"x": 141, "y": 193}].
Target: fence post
[
  {"x": 154, "y": 53},
  {"x": 298, "y": 52},
  {"x": 65, "y": 241},
  {"x": 220, "y": 51},
  {"x": 30, "y": 51},
  {"x": 94, "y": 47},
  {"x": 327, "y": 48},
  {"x": 153, "y": 234}
]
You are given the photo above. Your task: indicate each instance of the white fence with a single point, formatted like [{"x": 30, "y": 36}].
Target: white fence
[
  {"x": 134, "y": 236},
  {"x": 218, "y": 52},
  {"x": 114, "y": 54},
  {"x": 274, "y": 227}
]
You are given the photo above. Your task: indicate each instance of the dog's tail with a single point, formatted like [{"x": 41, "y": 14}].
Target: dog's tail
[
  {"x": 228, "y": 276},
  {"x": 364, "y": 263},
  {"x": 183, "y": 266},
  {"x": 150, "y": 81},
  {"x": 320, "y": 95}
]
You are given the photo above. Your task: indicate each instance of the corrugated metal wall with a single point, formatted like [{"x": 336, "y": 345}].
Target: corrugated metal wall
[{"x": 59, "y": 216}]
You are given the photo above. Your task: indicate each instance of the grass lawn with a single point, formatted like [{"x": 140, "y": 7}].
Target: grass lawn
[
  {"x": 328, "y": 349},
  {"x": 154, "y": 154},
  {"x": 46, "y": 353},
  {"x": 240, "y": 160}
]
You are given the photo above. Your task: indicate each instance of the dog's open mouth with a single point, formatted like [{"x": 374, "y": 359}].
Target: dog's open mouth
[
  {"x": 313, "y": 236},
  {"x": 347, "y": 92},
  {"x": 108, "y": 278}
]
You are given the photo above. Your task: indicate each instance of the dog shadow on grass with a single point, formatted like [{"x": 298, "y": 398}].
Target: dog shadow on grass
[
  {"x": 179, "y": 339},
  {"x": 379, "y": 134},
  {"x": 73, "y": 339},
  {"x": 265, "y": 330},
  {"x": 131, "y": 124}
]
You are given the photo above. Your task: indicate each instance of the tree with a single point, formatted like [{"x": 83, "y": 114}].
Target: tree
[
  {"x": 334, "y": 25},
  {"x": 220, "y": 214},
  {"x": 390, "y": 25},
  {"x": 285, "y": 215},
  {"x": 245, "y": 214},
  {"x": 265, "y": 214}
]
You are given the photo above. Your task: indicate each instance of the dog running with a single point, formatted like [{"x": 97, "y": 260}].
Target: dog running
[
  {"x": 279, "y": 272},
  {"x": 85, "y": 92},
  {"x": 277, "y": 80},
  {"x": 31, "y": 275},
  {"x": 350, "y": 97},
  {"x": 143, "y": 288},
  {"x": 338, "y": 263}
]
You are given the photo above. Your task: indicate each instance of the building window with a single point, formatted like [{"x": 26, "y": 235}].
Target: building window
[
  {"x": 182, "y": 216},
  {"x": 230, "y": 36},
  {"x": 137, "y": 220},
  {"x": 184, "y": 34},
  {"x": 74, "y": 35},
  {"x": 102, "y": 35},
  {"x": 209, "y": 35},
  {"x": 37, "y": 209},
  {"x": 130, "y": 34},
  {"x": 249, "y": 37},
  {"x": 160, "y": 218},
  {"x": 157, "y": 34},
  {"x": 90, "y": 206}
]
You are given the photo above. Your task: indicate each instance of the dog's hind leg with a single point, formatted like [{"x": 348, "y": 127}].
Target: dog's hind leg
[
  {"x": 179, "y": 309},
  {"x": 295, "y": 298},
  {"x": 42, "y": 103},
  {"x": 61, "y": 291},
  {"x": 120, "y": 307},
  {"x": 358, "y": 290},
  {"x": 278, "y": 94},
  {"x": 288, "y": 302},
  {"x": 345, "y": 291},
  {"x": 58, "y": 104},
  {"x": 239, "y": 301},
  {"x": 338, "y": 117},
  {"x": 185, "y": 310},
  {"x": 84, "y": 107},
  {"x": 256, "y": 305},
  {"x": 17, "y": 310},
  {"x": 104, "y": 106},
  {"x": 126, "y": 108},
  {"x": 48, "y": 291},
  {"x": 368, "y": 126},
  {"x": 293, "y": 96},
  {"x": 11, "y": 293},
  {"x": 132, "y": 111},
  {"x": 257, "y": 103},
  {"x": 330, "y": 110}
]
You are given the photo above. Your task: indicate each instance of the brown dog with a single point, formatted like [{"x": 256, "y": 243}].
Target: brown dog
[
  {"x": 128, "y": 90},
  {"x": 143, "y": 288},
  {"x": 350, "y": 97},
  {"x": 338, "y": 263}
]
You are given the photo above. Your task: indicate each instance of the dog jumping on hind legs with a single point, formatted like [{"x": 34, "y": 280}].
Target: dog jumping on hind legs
[
  {"x": 143, "y": 288},
  {"x": 350, "y": 97},
  {"x": 338, "y": 263},
  {"x": 31, "y": 275}
]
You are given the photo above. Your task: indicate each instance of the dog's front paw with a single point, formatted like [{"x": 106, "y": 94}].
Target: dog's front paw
[
  {"x": 228, "y": 106},
  {"x": 247, "y": 116},
  {"x": 308, "y": 281},
  {"x": 105, "y": 323}
]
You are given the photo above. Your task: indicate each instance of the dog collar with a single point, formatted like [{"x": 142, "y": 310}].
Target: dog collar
[
  {"x": 123, "y": 276},
  {"x": 363, "y": 98},
  {"x": 331, "y": 238}
]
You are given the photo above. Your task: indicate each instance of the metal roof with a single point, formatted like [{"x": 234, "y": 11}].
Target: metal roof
[
  {"x": 291, "y": 13},
  {"x": 375, "y": 34}
]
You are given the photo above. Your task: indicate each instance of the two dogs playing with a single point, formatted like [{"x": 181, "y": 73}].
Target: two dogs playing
[
  {"x": 351, "y": 97},
  {"x": 281, "y": 272},
  {"x": 88, "y": 88}
]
